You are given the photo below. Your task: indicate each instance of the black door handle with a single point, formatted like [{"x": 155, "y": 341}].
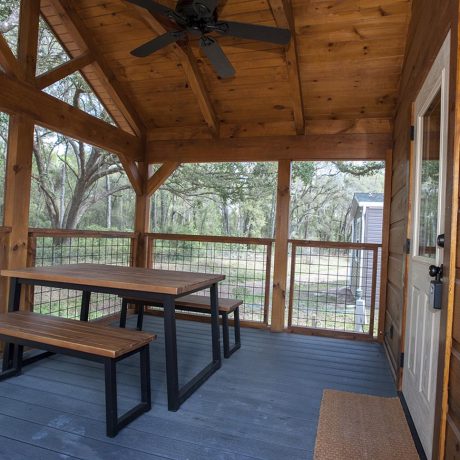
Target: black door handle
[{"x": 435, "y": 272}]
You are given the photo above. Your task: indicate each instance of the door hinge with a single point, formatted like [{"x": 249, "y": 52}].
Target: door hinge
[
  {"x": 401, "y": 360},
  {"x": 412, "y": 133},
  {"x": 407, "y": 246}
]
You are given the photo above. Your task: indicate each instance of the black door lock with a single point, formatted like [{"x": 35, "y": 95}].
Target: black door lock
[
  {"x": 436, "y": 286},
  {"x": 440, "y": 240}
]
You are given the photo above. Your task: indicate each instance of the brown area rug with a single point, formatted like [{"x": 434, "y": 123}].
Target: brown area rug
[{"x": 356, "y": 426}]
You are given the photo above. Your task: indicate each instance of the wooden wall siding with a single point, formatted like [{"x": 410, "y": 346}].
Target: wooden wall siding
[
  {"x": 426, "y": 16},
  {"x": 349, "y": 57},
  {"x": 434, "y": 19}
]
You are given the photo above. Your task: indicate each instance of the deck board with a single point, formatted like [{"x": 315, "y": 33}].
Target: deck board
[{"x": 262, "y": 404}]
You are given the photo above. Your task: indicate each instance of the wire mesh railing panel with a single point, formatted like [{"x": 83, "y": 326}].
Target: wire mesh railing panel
[
  {"x": 246, "y": 266},
  {"x": 334, "y": 288},
  {"x": 56, "y": 250}
]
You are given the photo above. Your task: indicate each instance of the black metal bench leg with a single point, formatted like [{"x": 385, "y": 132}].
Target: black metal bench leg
[
  {"x": 146, "y": 393},
  {"x": 225, "y": 335},
  {"x": 111, "y": 409},
  {"x": 227, "y": 350},
  {"x": 123, "y": 313}
]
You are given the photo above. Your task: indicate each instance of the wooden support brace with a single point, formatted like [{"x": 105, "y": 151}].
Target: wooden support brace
[
  {"x": 68, "y": 68},
  {"x": 8, "y": 61},
  {"x": 160, "y": 177}
]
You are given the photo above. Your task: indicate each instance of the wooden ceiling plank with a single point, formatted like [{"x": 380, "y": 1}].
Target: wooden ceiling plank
[
  {"x": 160, "y": 177},
  {"x": 68, "y": 68},
  {"x": 339, "y": 147},
  {"x": 192, "y": 73},
  {"x": 282, "y": 12},
  {"x": 17, "y": 97},
  {"x": 82, "y": 36},
  {"x": 8, "y": 60}
]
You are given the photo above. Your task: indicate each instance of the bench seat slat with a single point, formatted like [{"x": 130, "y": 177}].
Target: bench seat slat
[
  {"x": 204, "y": 302},
  {"x": 73, "y": 335}
]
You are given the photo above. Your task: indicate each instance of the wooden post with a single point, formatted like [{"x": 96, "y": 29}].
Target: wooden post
[
  {"x": 142, "y": 219},
  {"x": 283, "y": 199},
  {"x": 20, "y": 146},
  {"x": 385, "y": 246}
]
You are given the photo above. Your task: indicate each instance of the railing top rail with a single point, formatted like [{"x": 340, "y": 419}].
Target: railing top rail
[
  {"x": 4, "y": 229},
  {"x": 209, "y": 238},
  {"x": 58, "y": 233},
  {"x": 335, "y": 244}
]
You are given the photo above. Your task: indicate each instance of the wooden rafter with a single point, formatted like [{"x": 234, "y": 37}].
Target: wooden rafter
[
  {"x": 17, "y": 97},
  {"x": 282, "y": 12},
  {"x": 82, "y": 37},
  {"x": 192, "y": 73},
  {"x": 8, "y": 61},
  {"x": 68, "y": 68},
  {"x": 160, "y": 177},
  {"x": 272, "y": 148}
]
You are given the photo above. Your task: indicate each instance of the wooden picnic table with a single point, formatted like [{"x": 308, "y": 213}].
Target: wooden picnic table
[{"x": 162, "y": 286}]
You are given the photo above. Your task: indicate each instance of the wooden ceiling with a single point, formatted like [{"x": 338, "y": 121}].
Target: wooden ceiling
[{"x": 340, "y": 73}]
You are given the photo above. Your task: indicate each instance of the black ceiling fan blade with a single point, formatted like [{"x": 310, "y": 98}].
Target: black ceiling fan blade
[
  {"x": 157, "y": 43},
  {"x": 255, "y": 32},
  {"x": 154, "y": 7},
  {"x": 217, "y": 58}
]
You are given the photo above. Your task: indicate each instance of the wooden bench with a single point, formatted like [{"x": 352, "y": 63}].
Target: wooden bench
[
  {"x": 98, "y": 343},
  {"x": 199, "y": 304}
]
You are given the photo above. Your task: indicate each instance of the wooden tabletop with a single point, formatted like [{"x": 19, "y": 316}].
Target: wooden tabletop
[{"x": 110, "y": 276}]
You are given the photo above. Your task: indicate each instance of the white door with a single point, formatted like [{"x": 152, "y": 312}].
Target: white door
[{"x": 428, "y": 208}]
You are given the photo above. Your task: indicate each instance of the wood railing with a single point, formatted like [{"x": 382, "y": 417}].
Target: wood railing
[
  {"x": 246, "y": 263},
  {"x": 333, "y": 288},
  {"x": 51, "y": 247}
]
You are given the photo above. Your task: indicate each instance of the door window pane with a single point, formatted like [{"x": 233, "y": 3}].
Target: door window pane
[{"x": 429, "y": 179}]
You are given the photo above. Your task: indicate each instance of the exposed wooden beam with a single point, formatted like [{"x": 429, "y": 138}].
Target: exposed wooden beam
[
  {"x": 17, "y": 97},
  {"x": 68, "y": 68},
  {"x": 82, "y": 36},
  {"x": 282, "y": 12},
  {"x": 273, "y": 148},
  {"x": 280, "y": 264},
  {"x": 160, "y": 177},
  {"x": 192, "y": 73},
  {"x": 8, "y": 61}
]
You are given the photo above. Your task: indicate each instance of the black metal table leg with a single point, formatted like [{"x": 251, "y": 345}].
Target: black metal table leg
[
  {"x": 85, "y": 299},
  {"x": 13, "y": 305},
  {"x": 124, "y": 312},
  {"x": 172, "y": 373},
  {"x": 140, "y": 315}
]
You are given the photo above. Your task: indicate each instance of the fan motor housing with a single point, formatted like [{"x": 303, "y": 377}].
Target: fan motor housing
[{"x": 195, "y": 10}]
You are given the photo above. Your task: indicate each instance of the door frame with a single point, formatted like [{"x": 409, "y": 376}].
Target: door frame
[{"x": 450, "y": 228}]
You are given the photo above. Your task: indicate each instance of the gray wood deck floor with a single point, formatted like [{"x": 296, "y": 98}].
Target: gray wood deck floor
[{"x": 262, "y": 404}]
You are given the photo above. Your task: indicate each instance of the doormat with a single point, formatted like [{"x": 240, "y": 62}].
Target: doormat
[{"x": 356, "y": 426}]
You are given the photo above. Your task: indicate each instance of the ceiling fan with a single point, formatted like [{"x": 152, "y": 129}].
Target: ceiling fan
[{"x": 199, "y": 18}]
